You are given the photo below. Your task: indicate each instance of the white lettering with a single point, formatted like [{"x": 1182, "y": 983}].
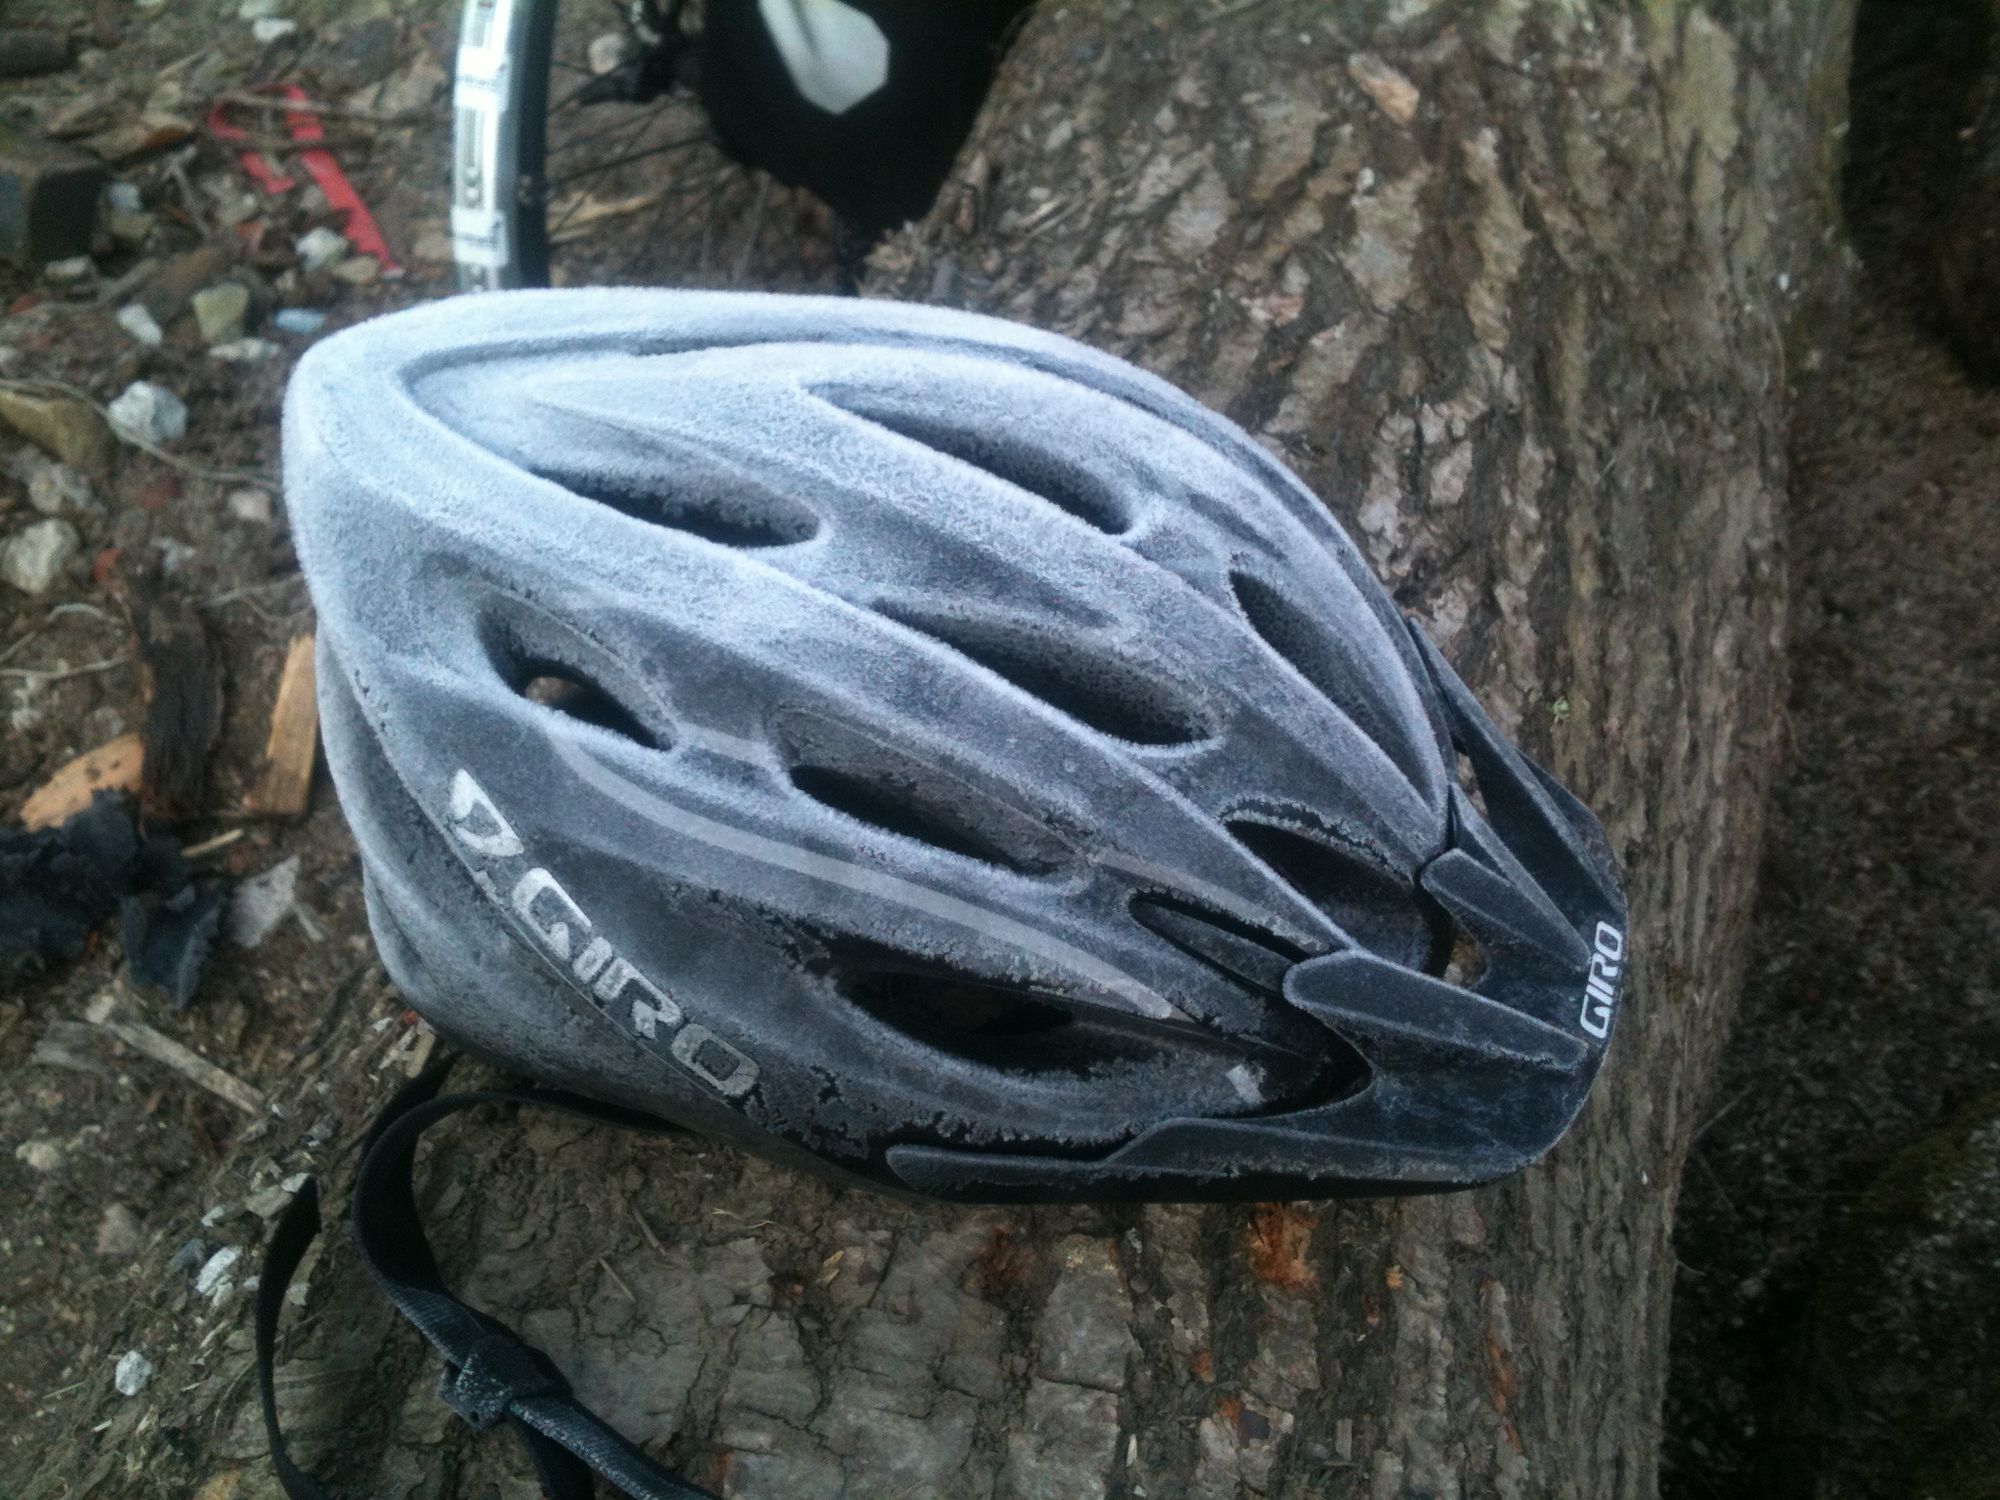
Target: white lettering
[
  {"x": 496, "y": 839},
  {"x": 555, "y": 935},
  {"x": 1600, "y": 993}
]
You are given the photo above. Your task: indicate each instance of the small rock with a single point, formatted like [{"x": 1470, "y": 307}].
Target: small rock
[
  {"x": 217, "y": 1276},
  {"x": 359, "y": 270},
  {"x": 251, "y": 505},
  {"x": 76, "y": 268},
  {"x": 149, "y": 413},
  {"x": 118, "y": 1233},
  {"x": 39, "y": 1156},
  {"x": 133, "y": 1371},
  {"x": 269, "y": 29},
  {"x": 320, "y": 248},
  {"x": 62, "y": 425},
  {"x": 33, "y": 559},
  {"x": 434, "y": 246},
  {"x": 237, "y": 208},
  {"x": 365, "y": 55},
  {"x": 259, "y": 904},
  {"x": 269, "y": 1202},
  {"x": 174, "y": 554},
  {"x": 220, "y": 310},
  {"x": 244, "y": 351},
  {"x": 189, "y": 1258},
  {"x": 303, "y": 320},
  {"x": 131, "y": 230},
  {"x": 55, "y": 489},
  {"x": 137, "y": 320},
  {"x": 610, "y": 51},
  {"x": 124, "y": 198}
]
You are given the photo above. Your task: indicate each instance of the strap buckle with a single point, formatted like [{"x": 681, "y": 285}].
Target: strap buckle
[{"x": 498, "y": 1371}]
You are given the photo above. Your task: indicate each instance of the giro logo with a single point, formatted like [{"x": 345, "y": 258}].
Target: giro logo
[
  {"x": 549, "y": 917},
  {"x": 1600, "y": 995}
]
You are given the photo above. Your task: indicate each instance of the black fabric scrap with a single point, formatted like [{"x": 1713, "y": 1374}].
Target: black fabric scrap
[{"x": 58, "y": 884}]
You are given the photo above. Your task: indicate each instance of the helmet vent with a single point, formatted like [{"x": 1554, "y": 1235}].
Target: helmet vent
[
  {"x": 909, "y": 809},
  {"x": 1386, "y": 916},
  {"x": 722, "y": 508},
  {"x": 577, "y": 697},
  {"x": 1231, "y": 946},
  {"x": 1054, "y": 477},
  {"x": 998, "y": 1026},
  {"x": 1092, "y": 687},
  {"x": 1303, "y": 643}
]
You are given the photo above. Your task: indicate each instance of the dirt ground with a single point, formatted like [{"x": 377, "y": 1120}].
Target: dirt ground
[
  {"x": 129, "y": 1162},
  {"x": 1874, "y": 1003},
  {"x": 1871, "y": 1013}
]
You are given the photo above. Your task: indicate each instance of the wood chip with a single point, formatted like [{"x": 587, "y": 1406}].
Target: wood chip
[
  {"x": 285, "y": 787},
  {"x": 116, "y": 767},
  {"x": 105, "y": 1011}
]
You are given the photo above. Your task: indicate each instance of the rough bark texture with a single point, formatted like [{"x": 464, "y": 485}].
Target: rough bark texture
[{"x": 1514, "y": 291}]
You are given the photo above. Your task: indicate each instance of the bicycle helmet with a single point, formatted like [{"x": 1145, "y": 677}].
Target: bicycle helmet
[{"x": 912, "y": 744}]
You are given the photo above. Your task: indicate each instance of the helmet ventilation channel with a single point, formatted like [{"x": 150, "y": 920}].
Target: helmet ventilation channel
[
  {"x": 1092, "y": 687},
  {"x": 721, "y": 508},
  {"x": 910, "y": 810},
  {"x": 1381, "y": 913},
  {"x": 1052, "y": 476},
  {"x": 576, "y": 696},
  {"x": 1295, "y": 636}
]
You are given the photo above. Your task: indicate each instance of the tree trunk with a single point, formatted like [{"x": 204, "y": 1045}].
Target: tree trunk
[{"x": 1516, "y": 290}]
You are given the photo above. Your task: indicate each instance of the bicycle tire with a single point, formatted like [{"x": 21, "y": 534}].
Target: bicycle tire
[
  {"x": 500, "y": 91},
  {"x": 566, "y": 173}
]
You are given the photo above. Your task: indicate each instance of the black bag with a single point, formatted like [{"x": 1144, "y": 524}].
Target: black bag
[{"x": 863, "y": 102}]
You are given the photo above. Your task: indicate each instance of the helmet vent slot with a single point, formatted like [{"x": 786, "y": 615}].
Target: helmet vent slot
[
  {"x": 998, "y": 1026},
  {"x": 1294, "y": 635},
  {"x": 1241, "y": 952},
  {"x": 727, "y": 509},
  {"x": 904, "y": 806},
  {"x": 575, "y": 696},
  {"x": 1092, "y": 687},
  {"x": 1386, "y": 916},
  {"x": 1054, "y": 477}
]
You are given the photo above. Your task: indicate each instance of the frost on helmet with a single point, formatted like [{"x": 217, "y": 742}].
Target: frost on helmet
[{"x": 916, "y": 745}]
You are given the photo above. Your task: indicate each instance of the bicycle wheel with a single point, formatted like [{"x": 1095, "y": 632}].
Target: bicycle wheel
[{"x": 577, "y": 161}]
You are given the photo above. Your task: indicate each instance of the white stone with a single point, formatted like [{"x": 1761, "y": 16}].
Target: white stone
[
  {"x": 217, "y": 1277},
  {"x": 320, "y": 247},
  {"x": 148, "y": 413},
  {"x": 33, "y": 559},
  {"x": 133, "y": 1371},
  {"x": 251, "y": 505},
  {"x": 268, "y": 29},
  {"x": 55, "y": 489},
  {"x": 244, "y": 351},
  {"x": 260, "y": 903},
  {"x": 39, "y": 1156},
  {"x": 137, "y": 320}
]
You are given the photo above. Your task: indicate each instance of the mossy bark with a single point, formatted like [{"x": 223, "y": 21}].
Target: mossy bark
[{"x": 1510, "y": 286}]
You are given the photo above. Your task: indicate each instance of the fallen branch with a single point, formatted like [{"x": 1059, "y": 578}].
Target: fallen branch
[{"x": 198, "y": 1070}]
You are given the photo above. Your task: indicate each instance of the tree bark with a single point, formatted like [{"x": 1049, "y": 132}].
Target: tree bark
[{"x": 1517, "y": 289}]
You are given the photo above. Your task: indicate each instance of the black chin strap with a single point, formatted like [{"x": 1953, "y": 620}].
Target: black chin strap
[{"x": 490, "y": 1374}]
